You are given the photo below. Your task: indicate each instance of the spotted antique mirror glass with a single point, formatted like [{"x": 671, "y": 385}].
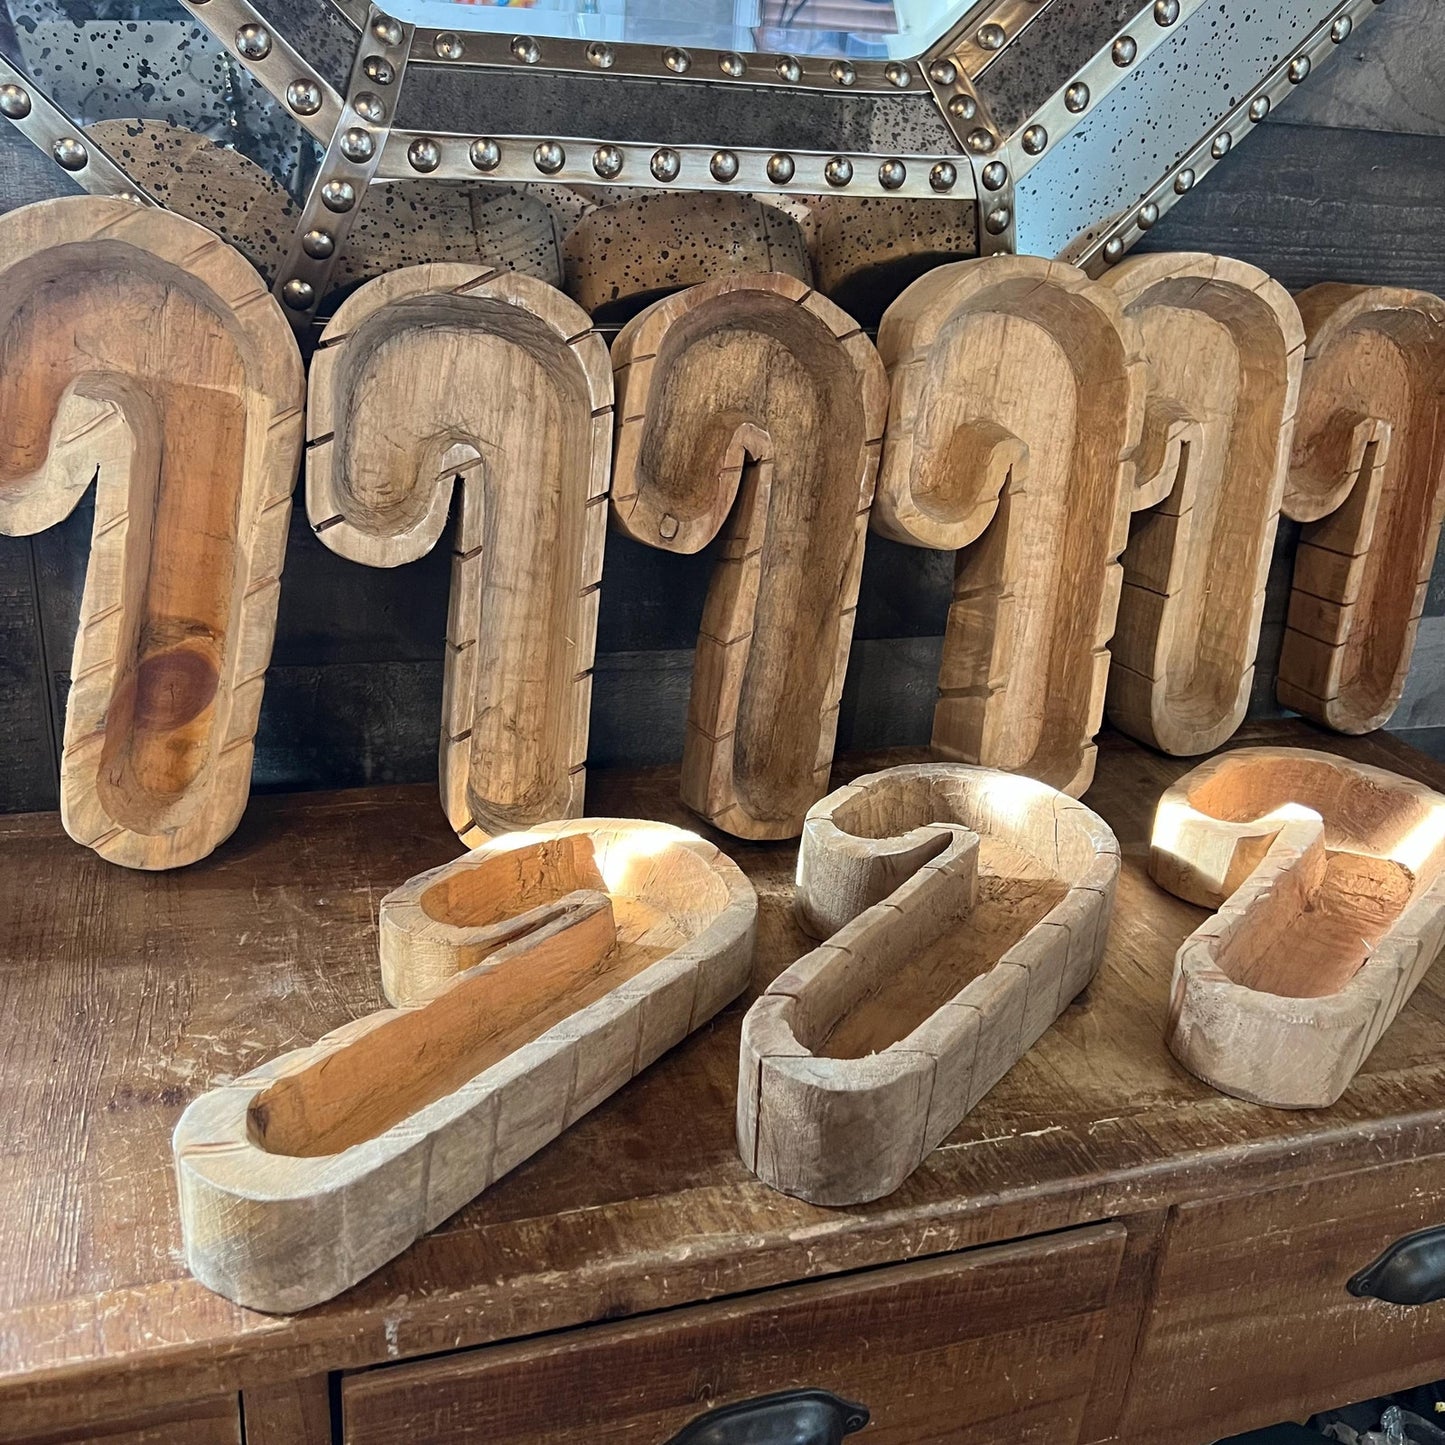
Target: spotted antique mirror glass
[
  {"x": 872, "y": 29},
  {"x": 1058, "y": 127}
]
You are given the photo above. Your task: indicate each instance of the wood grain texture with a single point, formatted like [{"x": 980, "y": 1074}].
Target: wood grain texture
[
  {"x": 1367, "y": 476},
  {"x": 29, "y": 738},
  {"x": 962, "y": 910},
  {"x": 924, "y": 1346},
  {"x": 124, "y": 995},
  {"x": 531, "y": 979},
  {"x": 443, "y": 372},
  {"x": 1316, "y": 203},
  {"x": 623, "y": 256},
  {"x": 1301, "y": 1343},
  {"x": 208, "y": 1422},
  {"x": 1018, "y": 400},
  {"x": 295, "y": 1412},
  {"x": 752, "y": 409},
  {"x": 1225, "y": 346},
  {"x": 1327, "y": 881},
  {"x": 1386, "y": 77},
  {"x": 136, "y": 346}
]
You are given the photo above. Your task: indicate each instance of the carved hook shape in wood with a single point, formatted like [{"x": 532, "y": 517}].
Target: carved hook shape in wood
[
  {"x": 443, "y": 371},
  {"x": 138, "y": 347},
  {"x": 1225, "y": 346},
  {"x": 1327, "y": 880},
  {"x": 533, "y": 977},
  {"x": 1018, "y": 401},
  {"x": 752, "y": 406},
  {"x": 964, "y": 909},
  {"x": 1367, "y": 477}
]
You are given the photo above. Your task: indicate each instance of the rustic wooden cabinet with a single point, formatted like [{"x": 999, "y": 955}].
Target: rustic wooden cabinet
[
  {"x": 1250, "y": 1304},
  {"x": 1001, "y": 1343},
  {"x": 1105, "y": 1249}
]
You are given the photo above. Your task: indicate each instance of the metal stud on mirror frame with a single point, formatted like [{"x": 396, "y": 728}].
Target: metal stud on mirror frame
[
  {"x": 70, "y": 153},
  {"x": 780, "y": 168},
  {"x": 303, "y": 95},
  {"x": 424, "y": 154},
  {"x": 14, "y": 101},
  {"x": 253, "y": 41},
  {"x": 338, "y": 196},
  {"x": 665, "y": 164}
]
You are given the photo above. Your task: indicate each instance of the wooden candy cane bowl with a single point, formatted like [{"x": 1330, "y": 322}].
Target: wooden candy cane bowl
[
  {"x": 535, "y": 976},
  {"x": 966, "y": 907},
  {"x": 1327, "y": 878}
]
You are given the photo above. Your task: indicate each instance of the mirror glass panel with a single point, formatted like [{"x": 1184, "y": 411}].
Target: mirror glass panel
[{"x": 880, "y": 29}]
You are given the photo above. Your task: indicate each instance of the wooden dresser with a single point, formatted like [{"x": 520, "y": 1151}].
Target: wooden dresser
[{"x": 1105, "y": 1249}]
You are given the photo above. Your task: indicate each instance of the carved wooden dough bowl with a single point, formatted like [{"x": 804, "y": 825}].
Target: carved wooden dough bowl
[
  {"x": 1327, "y": 878},
  {"x": 448, "y": 371},
  {"x": 142, "y": 351},
  {"x": 967, "y": 907},
  {"x": 536, "y": 975}
]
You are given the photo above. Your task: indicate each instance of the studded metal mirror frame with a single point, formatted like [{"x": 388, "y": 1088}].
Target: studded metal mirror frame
[{"x": 968, "y": 119}]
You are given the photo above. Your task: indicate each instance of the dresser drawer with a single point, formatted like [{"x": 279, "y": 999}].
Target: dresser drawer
[
  {"x": 994, "y": 1345},
  {"x": 1251, "y": 1321},
  {"x": 212, "y": 1422}
]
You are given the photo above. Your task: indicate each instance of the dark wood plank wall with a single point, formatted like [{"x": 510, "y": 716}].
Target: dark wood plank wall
[{"x": 1346, "y": 182}]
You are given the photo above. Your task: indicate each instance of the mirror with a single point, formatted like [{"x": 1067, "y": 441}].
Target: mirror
[{"x": 857, "y": 29}]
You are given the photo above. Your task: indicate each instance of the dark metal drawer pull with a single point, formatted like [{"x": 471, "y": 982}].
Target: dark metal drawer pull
[
  {"x": 1410, "y": 1272},
  {"x": 794, "y": 1417}
]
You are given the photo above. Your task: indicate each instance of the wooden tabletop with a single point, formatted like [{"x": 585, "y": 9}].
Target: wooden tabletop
[{"x": 124, "y": 995}]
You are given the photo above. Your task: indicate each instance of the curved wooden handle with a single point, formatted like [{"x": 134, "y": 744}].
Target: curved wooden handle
[
  {"x": 754, "y": 408},
  {"x": 1367, "y": 477},
  {"x": 1017, "y": 398},
  {"x": 141, "y": 348},
  {"x": 1225, "y": 346},
  {"x": 442, "y": 372}
]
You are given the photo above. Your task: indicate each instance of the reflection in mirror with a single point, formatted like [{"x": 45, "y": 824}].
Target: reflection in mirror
[{"x": 876, "y": 29}]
